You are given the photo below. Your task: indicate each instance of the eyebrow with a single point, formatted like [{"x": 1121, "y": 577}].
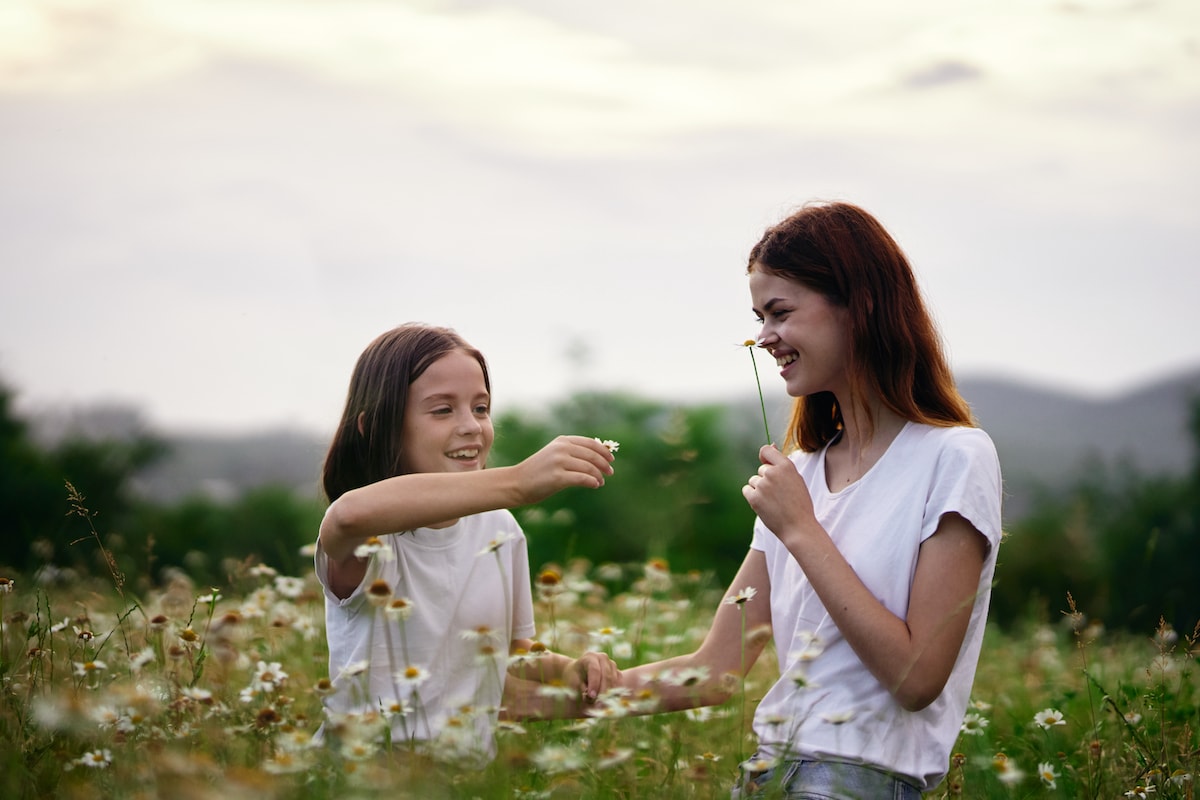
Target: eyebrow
[
  {"x": 442, "y": 397},
  {"x": 767, "y": 306}
]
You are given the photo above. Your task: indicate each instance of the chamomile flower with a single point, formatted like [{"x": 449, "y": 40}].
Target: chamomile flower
[
  {"x": 412, "y": 676},
  {"x": 742, "y": 597},
  {"x": 610, "y": 444},
  {"x": 1048, "y": 774},
  {"x": 838, "y": 717},
  {"x": 398, "y": 609},
  {"x": 1141, "y": 792},
  {"x": 85, "y": 668},
  {"x": 289, "y": 587},
  {"x": 604, "y": 636},
  {"x": 373, "y": 546},
  {"x": 268, "y": 677},
  {"x": 497, "y": 543},
  {"x": 6, "y": 585},
  {"x": 1048, "y": 718},
  {"x": 613, "y": 756},
  {"x": 1006, "y": 770},
  {"x": 96, "y": 759},
  {"x": 973, "y": 724},
  {"x": 379, "y": 593},
  {"x": 555, "y": 758}
]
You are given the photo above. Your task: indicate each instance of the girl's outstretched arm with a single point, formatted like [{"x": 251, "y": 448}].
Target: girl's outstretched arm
[
  {"x": 710, "y": 675},
  {"x": 412, "y": 501}
]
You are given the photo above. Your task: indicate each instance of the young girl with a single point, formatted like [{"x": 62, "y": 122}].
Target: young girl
[
  {"x": 425, "y": 571},
  {"x": 875, "y": 545}
]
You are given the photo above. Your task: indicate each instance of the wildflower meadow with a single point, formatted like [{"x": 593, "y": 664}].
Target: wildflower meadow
[{"x": 195, "y": 691}]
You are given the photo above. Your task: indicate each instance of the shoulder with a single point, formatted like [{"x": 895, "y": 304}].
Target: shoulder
[{"x": 961, "y": 440}]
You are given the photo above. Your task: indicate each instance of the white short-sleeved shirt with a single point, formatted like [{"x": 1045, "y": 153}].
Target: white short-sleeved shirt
[
  {"x": 468, "y": 603},
  {"x": 826, "y": 704}
]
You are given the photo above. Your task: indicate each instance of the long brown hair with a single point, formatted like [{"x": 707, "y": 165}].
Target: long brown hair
[
  {"x": 367, "y": 444},
  {"x": 844, "y": 253}
]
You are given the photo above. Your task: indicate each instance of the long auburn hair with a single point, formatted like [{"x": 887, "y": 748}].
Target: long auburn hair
[
  {"x": 367, "y": 444},
  {"x": 844, "y": 253}
]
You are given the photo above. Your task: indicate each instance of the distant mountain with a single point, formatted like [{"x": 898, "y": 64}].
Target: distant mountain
[{"x": 1047, "y": 438}]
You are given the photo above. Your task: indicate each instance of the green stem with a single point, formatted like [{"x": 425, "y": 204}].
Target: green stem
[{"x": 762, "y": 403}]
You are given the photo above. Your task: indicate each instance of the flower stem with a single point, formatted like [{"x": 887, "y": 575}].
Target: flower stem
[{"x": 762, "y": 403}]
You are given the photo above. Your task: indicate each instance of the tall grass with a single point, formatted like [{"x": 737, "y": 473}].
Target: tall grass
[{"x": 196, "y": 692}]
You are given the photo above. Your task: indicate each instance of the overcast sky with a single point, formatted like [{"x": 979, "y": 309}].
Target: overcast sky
[{"x": 209, "y": 207}]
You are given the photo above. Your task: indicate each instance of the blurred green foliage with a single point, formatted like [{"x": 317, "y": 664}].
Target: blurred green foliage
[{"x": 1126, "y": 545}]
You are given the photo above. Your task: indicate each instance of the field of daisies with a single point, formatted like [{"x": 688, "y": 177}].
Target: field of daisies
[{"x": 190, "y": 691}]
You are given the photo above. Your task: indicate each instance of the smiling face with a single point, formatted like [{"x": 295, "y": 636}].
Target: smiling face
[
  {"x": 806, "y": 333},
  {"x": 448, "y": 418}
]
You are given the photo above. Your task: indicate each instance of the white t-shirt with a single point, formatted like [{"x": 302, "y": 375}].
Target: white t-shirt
[
  {"x": 826, "y": 705},
  {"x": 468, "y": 604}
]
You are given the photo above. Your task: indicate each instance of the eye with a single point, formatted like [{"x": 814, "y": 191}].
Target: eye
[
  {"x": 440, "y": 411},
  {"x": 483, "y": 409}
]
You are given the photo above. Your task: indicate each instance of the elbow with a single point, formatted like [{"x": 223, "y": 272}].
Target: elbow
[
  {"x": 340, "y": 528},
  {"x": 915, "y": 695}
]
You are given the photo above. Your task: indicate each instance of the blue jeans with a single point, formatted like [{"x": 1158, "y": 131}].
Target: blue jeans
[{"x": 823, "y": 780}]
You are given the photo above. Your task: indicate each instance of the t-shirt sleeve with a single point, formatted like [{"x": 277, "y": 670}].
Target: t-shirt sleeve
[
  {"x": 966, "y": 481},
  {"x": 522, "y": 620},
  {"x": 321, "y": 567}
]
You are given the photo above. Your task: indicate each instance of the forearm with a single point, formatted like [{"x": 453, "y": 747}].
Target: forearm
[
  {"x": 412, "y": 501},
  {"x": 676, "y": 684},
  {"x": 911, "y": 657}
]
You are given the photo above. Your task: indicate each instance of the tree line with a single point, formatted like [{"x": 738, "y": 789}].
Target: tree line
[{"x": 1126, "y": 545}]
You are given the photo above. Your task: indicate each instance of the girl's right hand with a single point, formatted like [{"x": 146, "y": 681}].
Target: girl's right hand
[{"x": 566, "y": 461}]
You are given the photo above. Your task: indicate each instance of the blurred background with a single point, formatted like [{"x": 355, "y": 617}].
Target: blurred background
[{"x": 210, "y": 208}]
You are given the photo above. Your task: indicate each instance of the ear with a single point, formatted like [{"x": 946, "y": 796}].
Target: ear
[{"x": 362, "y": 428}]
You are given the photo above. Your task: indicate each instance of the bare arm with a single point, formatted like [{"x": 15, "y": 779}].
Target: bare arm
[
  {"x": 550, "y": 685},
  {"x": 723, "y": 657},
  {"x": 913, "y": 658},
  {"x": 406, "y": 502}
]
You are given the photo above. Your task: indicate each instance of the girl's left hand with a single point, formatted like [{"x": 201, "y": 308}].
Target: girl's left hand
[
  {"x": 778, "y": 494},
  {"x": 593, "y": 673}
]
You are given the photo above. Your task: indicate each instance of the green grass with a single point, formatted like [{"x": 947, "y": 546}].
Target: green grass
[{"x": 182, "y": 693}]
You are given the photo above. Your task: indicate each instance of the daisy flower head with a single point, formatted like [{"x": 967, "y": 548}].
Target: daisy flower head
[
  {"x": 613, "y": 756},
  {"x": 208, "y": 599},
  {"x": 1048, "y": 718},
  {"x": 373, "y": 547},
  {"x": 497, "y": 543},
  {"x": 83, "y": 668},
  {"x": 398, "y": 609},
  {"x": 605, "y": 635},
  {"x": 96, "y": 759},
  {"x": 973, "y": 724},
  {"x": 289, "y": 586},
  {"x": 1006, "y": 770},
  {"x": 838, "y": 717},
  {"x": 742, "y": 597},
  {"x": 1048, "y": 774},
  {"x": 610, "y": 444},
  {"x": 555, "y": 758},
  {"x": 1141, "y": 792},
  {"x": 379, "y": 593},
  {"x": 6, "y": 585},
  {"x": 412, "y": 676},
  {"x": 268, "y": 677}
]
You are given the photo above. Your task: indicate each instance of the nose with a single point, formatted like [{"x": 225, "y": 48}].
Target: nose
[
  {"x": 766, "y": 337},
  {"x": 468, "y": 423}
]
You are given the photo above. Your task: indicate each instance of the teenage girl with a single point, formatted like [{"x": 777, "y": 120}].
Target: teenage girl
[
  {"x": 425, "y": 571},
  {"x": 873, "y": 552}
]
